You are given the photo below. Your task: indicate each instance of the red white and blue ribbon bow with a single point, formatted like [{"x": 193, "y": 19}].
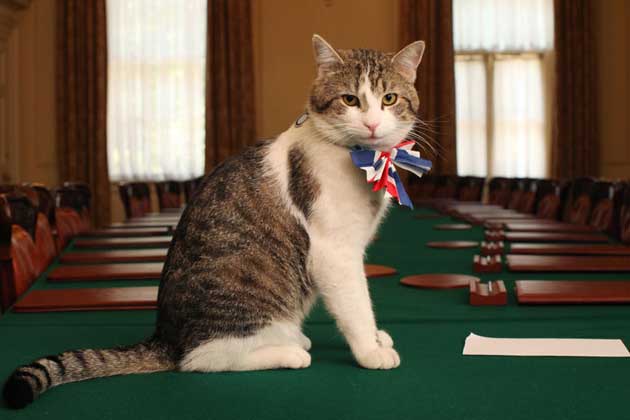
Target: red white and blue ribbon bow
[{"x": 380, "y": 168}]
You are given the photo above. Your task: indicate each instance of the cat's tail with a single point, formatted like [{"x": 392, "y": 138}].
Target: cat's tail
[{"x": 30, "y": 381}]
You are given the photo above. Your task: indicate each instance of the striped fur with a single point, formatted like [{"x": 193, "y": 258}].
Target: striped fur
[{"x": 28, "y": 382}]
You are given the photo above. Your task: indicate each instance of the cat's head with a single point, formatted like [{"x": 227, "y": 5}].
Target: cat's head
[{"x": 364, "y": 97}]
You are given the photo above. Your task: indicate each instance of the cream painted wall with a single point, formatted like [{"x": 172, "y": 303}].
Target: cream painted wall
[
  {"x": 283, "y": 55},
  {"x": 31, "y": 86},
  {"x": 613, "y": 57}
]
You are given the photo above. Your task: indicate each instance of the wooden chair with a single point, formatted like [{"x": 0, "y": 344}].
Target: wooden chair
[
  {"x": 82, "y": 201},
  {"x": 445, "y": 187},
  {"x": 519, "y": 188},
  {"x": 500, "y": 190},
  {"x": 527, "y": 201},
  {"x": 578, "y": 203},
  {"x": 469, "y": 188},
  {"x": 18, "y": 254},
  {"x": 136, "y": 198},
  {"x": 169, "y": 195},
  {"x": 623, "y": 224},
  {"x": 548, "y": 203},
  {"x": 190, "y": 187},
  {"x": 606, "y": 205},
  {"x": 69, "y": 214},
  {"x": 46, "y": 230}
]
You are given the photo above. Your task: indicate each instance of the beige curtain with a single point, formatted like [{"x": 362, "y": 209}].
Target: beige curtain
[
  {"x": 82, "y": 99},
  {"x": 432, "y": 21},
  {"x": 230, "y": 112}
]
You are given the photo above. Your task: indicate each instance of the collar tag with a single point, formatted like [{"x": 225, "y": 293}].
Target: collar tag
[{"x": 301, "y": 119}]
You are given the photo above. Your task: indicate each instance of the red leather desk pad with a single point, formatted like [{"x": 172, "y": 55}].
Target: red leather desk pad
[
  {"x": 134, "y": 225},
  {"x": 534, "y": 263},
  {"x": 128, "y": 232},
  {"x": 154, "y": 219},
  {"x": 93, "y": 272},
  {"x": 568, "y": 291},
  {"x": 158, "y": 241},
  {"x": 112, "y": 256},
  {"x": 554, "y": 237},
  {"x": 100, "y": 299},
  {"x": 569, "y": 249},
  {"x": 548, "y": 227},
  {"x": 145, "y": 271}
]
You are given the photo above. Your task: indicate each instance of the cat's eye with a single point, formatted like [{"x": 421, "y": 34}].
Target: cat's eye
[
  {"x": 350, "y": 100},
  {"x": 390, "y": 99}
]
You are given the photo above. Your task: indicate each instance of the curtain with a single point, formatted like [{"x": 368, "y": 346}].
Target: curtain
[
  {"x": 503, "y": 25},
  {"x": 472, "y": 129},
  {"x": 432, "y": 21},
  {"x": 156, "y": 112},
  {"x": 575, "y": 145},
  {"x": 230, "y": 114},
  {"x": 82, "y": 99},
  {"x": 519, "y": 118}
]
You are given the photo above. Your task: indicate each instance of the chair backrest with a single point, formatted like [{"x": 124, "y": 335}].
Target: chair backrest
[
  {"x": 519, "y": 188},
  {"x": 190, "y": 187},
  {"x": 606, "y": 205},
  {"x": 18, "y": 254},
  {"x": 499, "y": 191},
  {"x": 70, "y": 210},
  {"x": 548, "y": 203},
  {"x": 578, "y": 204},
  {"x": 445, "y": 187},
  {"x": 623, "y": 225},
  {"x": 527, "y": 200},
  {"x": 469, "y": 188},
  {"x": 46, "y": 202},
  {"x": 169, "y": 195},
  {"x": 136, "y": 198},
  {"x": 421, "y": 188},
  {"x": 77, "y": 195}
]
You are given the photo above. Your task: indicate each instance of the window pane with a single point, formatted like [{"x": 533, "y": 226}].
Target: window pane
[
  {"x": 519, "y": 118},
  {"x": 503, "y": 25},
  {"x": 470, "y": 86},
  {"x": 156, "y": 116}
]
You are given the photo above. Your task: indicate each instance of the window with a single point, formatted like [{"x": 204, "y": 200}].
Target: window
[
  {"x": 156, "y": 101},
  {"x": 502, "y": 52}
]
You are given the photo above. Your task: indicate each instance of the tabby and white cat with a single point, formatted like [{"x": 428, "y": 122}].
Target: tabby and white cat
[{"x": 267, "y": 232}]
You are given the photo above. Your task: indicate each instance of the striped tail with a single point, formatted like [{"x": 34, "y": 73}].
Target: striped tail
[{"x": 28, "y": 382}]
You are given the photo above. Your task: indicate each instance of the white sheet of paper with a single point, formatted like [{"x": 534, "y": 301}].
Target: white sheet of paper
[{"x": 572, "y": 347}]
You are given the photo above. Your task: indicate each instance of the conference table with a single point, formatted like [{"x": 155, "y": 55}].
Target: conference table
[{"x": 435, "y": 381}]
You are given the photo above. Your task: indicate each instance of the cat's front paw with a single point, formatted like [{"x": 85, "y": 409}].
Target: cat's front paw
[
  {"x": 383, "y": 339},
  {"x": 379, "y": 358}
]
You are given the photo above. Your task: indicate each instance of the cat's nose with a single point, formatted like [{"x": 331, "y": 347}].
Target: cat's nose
[{"x": 372, "y": 127}]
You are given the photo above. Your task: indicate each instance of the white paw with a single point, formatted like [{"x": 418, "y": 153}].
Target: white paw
[
  {"x": 298, "y": 358},
  {"x": 305, "y": 342},
  {"x": 379, "y": 358},
  {"x": 383, "y": 339}
]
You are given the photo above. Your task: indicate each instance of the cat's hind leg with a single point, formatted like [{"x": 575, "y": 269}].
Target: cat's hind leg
[{"x": 277, "y": 346}]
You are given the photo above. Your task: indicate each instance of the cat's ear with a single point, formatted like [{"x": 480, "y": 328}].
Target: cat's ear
[
  {"x": 325, "y": 54},
  {"x": 407, "y": 60}
]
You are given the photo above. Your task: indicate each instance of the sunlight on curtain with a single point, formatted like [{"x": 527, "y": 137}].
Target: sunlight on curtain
[
  {"x": 156, "y": 116},
  {"x": 500, "y": 25},
  {"x": 519, "y": 138},
  {"x": 509, "y": 39},
  {"x": 470, "y": 85}
]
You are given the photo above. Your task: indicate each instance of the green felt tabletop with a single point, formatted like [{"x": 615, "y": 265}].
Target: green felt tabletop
[{"x": 434, "y": 380}]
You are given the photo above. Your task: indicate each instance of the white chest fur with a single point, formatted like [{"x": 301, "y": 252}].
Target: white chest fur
[{"x": 346, "y": 210}]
